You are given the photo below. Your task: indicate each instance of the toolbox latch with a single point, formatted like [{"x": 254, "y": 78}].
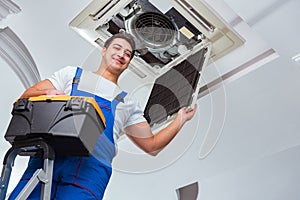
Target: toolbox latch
[{"x": 22, "y": 105}]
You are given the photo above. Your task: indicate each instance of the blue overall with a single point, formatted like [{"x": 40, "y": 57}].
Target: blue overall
[{"x": 80, "y": 177}]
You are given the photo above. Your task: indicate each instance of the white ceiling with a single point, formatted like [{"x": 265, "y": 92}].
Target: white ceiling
[{"x": 257, "y": 155}]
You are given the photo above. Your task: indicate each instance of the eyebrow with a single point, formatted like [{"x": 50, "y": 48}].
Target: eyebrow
[{"x": 122, "y": 47}]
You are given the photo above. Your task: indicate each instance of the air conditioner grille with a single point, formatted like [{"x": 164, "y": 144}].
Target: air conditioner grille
[
  {"x": 154, "y": 29},
  {"x": 174, "y": 89}
]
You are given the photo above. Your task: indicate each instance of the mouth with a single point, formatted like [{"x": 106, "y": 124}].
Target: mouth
[{"x": 119, "y": 61}]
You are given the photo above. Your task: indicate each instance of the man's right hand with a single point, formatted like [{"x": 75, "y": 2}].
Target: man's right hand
[
  {"x": 44, "y": 87},
  {"x": 53, "y": 92}
]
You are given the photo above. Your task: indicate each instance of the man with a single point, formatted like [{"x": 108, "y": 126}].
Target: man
[{"x": 87, "y": 177}]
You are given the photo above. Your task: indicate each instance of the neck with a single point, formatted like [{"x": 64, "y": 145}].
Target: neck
[{"x": 102, "y": 71}]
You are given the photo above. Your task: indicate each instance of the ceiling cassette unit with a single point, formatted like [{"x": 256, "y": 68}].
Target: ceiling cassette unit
[
  {"x": 175, "y": 39},
  {"x": 164, "y": 30}
]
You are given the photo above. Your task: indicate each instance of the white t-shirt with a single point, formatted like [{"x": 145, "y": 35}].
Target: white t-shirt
[{"x": 127, "y": 113}]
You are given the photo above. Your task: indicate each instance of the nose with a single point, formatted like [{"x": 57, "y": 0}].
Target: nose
[{"x": 120, "y": 52}]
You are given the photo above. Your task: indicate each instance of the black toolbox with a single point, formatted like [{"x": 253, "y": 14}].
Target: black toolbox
[{"x": 71, "y": 125}]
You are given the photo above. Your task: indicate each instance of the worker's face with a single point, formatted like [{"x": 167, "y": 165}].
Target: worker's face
[{"x": 117, "y": 55}]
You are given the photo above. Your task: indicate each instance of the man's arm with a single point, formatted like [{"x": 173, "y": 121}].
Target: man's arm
[
  {"x": 44, "y": 87},
  {"x": 143, "y": 137}
]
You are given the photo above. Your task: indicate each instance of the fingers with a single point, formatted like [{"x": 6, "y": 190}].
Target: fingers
[
  {"x": 60, "y": 92},
  {"x": 187, "y": 113},
  {"x": 190, "y": 112},
  {"x": 190, "y": 109},
  {"x": 54, "y": 92}
]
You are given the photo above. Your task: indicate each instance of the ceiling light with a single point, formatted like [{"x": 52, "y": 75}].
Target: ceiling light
[{"x": 296, "y": 58}]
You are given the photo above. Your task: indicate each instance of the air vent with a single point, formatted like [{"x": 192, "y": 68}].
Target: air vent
[
  {"x": 169, "y": 36},
  {"x": 164, "y": 30},
  {"x": 154, "y": 29}
]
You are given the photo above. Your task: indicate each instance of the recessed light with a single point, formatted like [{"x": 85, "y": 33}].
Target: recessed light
[{"x": 296, "y": 58}]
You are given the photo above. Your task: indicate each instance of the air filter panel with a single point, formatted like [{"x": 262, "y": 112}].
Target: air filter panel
[{"x": 174, "y": 89}]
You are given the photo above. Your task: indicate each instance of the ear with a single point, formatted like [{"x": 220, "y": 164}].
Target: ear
[{"x": 103, "y": 51}]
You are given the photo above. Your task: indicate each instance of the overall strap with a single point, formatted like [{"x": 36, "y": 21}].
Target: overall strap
[
  {"x": 76, "y": 80},
  {"x": 119, "y": 98}
]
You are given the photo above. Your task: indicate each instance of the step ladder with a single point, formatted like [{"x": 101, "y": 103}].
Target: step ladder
[{"x": 29, "y": 147}]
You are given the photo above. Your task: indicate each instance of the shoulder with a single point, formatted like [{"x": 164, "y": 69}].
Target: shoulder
[
  {"x": 65, "y": 73},
  {"x": 132, "y": 105},
  {"x": 131, "y": 100},
  {"x": 68, "y": 70},
  {"x": 63, "y": 77},
  {"x": 126, "y": 102}
]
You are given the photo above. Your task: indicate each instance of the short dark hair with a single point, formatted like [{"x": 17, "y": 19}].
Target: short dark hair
[{"x": 123, "y": 35}]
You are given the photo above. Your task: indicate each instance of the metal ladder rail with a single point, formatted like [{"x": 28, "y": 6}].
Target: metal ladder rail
[
  {"x": 29, "y": 147},
  {"x": 8, "y": 163}
]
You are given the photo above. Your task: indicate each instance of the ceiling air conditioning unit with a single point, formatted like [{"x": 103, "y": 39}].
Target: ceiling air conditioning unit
[
  {"x": 178, "y": 25},
  {"x": 175, "y": 39}
]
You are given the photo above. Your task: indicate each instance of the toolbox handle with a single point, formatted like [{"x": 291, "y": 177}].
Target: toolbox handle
[{"x": 75, "y": 104}]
